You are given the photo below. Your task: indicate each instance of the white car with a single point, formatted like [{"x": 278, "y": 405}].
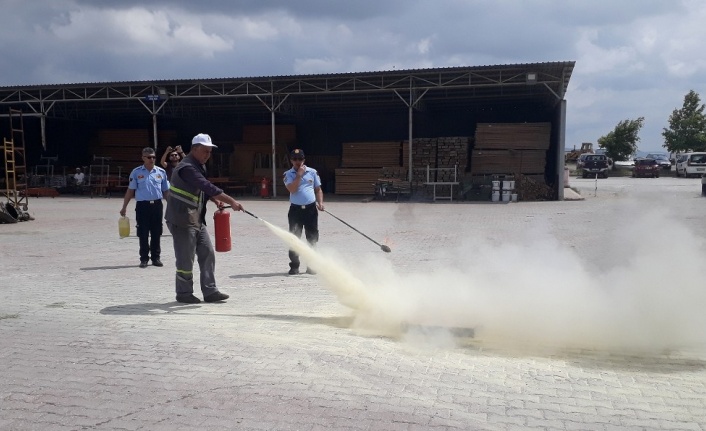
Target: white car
[{"x": 691, "y": 164}]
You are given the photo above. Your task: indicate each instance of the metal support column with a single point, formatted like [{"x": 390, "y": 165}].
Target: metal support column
[{"x": 561, "y": 144}]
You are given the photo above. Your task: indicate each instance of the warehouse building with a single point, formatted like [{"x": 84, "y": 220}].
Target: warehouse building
[{"x": 443, "y": 133}]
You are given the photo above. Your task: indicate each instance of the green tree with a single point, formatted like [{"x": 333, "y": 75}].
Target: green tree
[
  {"x": 687, "y": 126},
  {"x": 621, "y": 143}
]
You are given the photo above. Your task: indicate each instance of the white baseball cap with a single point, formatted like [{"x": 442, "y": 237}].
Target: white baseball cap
[{"x": 203, "y": 139}]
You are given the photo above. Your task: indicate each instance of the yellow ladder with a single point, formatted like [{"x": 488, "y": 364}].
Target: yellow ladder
[{"x": 15, "y": 163}]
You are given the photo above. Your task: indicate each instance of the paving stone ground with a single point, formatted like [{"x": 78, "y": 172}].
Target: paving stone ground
[{"x": 91, "y": 341}]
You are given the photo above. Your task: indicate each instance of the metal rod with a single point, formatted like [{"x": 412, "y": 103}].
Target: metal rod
[{"x": 384, "y": 248}]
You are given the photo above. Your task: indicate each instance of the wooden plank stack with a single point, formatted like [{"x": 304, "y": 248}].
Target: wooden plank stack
[
  {"x": 510, "y": 148},
  {"x": 507, "y": 162},
  {"x": 124, "y": 146},
  {"x": 370, "y": 154},
  {"x": 513, "y": 136},
  {"x": 356, "y": 181},
  {"x": 516, "y": 149},
  {"x": 362, "y": 163}
]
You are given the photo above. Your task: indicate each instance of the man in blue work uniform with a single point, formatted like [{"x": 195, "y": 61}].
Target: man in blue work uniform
[
  {"x": 306, "y": 200},
  {"x": 148, "y": 185},
  {"x": 189, "y": 193}
]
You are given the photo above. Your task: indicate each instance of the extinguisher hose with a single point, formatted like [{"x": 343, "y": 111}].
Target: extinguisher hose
[{"x": 245, "y": 211}]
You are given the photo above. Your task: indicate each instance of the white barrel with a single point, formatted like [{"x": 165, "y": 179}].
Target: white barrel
[
  {"x": 506, "y": 195},
  {"x": 495, "y": 197},
  {"x": 496, "y": 185},
  {"x": 508, "y": 185},
  {"x": 513, "y": 197}
]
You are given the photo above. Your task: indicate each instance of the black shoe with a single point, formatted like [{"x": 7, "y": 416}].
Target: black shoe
[
  {"x": 157, "y": 263},
  {"x": 187, "y": 298},
  {"x": 293, "y": 271},
  {"x": 216, "y": 297},
  {"x": 143, "y": 264},
  {"x": 310, "y": 271}
]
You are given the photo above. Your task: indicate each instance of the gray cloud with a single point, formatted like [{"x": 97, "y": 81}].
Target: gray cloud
[{"x": 634, "y": 57}]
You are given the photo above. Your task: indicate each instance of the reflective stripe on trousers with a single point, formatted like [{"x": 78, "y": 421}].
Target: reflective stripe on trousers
[{"x": 190, "y": 242}]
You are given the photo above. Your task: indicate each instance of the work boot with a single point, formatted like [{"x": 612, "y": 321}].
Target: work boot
[
  {"x": 216, "y": 297},
  {"x": 293, "y": 271},
  {"x": 187, "y": 298},
  {"x": 143, "y": 264},
  {"x": 157, "y": 262}
]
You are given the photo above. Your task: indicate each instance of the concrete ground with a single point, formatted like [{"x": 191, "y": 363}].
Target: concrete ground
[{"x": 91, "y": 341}]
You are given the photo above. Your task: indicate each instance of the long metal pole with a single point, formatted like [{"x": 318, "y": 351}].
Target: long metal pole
[
  {"x": 43, "y": 125},
  {"x": 154, "y": 130},
  {"x": 561, "y": 145},
  {"x": 409, "y": 133},
  {"x": 274, "y": 154}
]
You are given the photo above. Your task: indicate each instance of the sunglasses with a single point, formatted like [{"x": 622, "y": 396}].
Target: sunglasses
[
  {"x": 150, "y": 157},
  {"x": 297, "y": 158}
]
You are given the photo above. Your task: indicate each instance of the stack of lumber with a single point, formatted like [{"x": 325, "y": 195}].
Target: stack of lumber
[
  {"x": 124, "y": 146},
  {"x": 485, "y": 162},
  {"x": 370, "y": 154},
  {"x": 362, "y": 163},
  {"x": 510, "y": 148},
  {"x": 513, "y": 136},
  {"x": 356, "y": 181}
]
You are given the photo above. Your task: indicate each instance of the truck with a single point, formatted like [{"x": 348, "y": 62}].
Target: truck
[{"x": 573, "y": 155}]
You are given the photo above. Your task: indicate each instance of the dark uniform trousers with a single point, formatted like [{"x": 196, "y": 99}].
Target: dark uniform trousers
[
  {"x": 304, "y": 217},
  {"x": 149, "y": 223}
]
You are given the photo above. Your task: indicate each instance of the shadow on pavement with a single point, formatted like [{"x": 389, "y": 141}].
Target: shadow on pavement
[
  {"x": 635, "y": 362},
  {"x": 646, "y": 363},
  {"x": 100, "y": 268},
  {"x": 148, "y": 308},
  {"x": 335, "y": 322},
  {"x": 269, "y": 274}
]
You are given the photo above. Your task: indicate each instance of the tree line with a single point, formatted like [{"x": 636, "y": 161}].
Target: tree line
[{"x": 686, "y": 131}]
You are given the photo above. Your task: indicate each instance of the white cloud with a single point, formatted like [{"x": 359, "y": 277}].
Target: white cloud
[{"x": 138, "y": 31}]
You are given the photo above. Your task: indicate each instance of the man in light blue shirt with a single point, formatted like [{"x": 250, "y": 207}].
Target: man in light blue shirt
[
  {"x": 306, "y": 200},
  {"x": 148, "y": 185}
]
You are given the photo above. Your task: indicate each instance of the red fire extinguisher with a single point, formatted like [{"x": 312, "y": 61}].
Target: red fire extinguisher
[
  {"x": 221, "y": 226},
  {"x": 265, "y": 188}
]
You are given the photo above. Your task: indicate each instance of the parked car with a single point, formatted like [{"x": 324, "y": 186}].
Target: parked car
[
  {"x": 595, "y": 164},
  {"x": 662, "y": 160},
  {"x": 645, "y": 167},
  {"x": 581, "y": 160},
  {"x": 691, "y": 164}
]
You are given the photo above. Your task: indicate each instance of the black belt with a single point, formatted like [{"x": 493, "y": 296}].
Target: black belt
[
  {"x": 304, "y": 206},
  {"x": 150, "y": 202}
]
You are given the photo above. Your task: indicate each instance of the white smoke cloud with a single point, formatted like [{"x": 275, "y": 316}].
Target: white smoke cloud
[{"x": 533, "y": 293}]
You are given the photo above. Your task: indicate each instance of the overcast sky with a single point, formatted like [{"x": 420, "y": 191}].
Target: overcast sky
[{"x": 633, "y": 57}]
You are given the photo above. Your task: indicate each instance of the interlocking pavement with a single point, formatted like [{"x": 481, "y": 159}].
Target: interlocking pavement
[{"x": 91, "y": 341}]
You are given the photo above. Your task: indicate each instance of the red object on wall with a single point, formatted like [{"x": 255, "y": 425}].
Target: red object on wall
[
  {"x": 221, "y": 226},
  {"x": 265, "y": 188}
]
